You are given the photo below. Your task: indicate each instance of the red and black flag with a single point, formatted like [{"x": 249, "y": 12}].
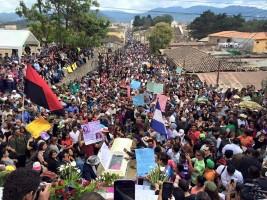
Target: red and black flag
[{"x": 38, "y": 91}]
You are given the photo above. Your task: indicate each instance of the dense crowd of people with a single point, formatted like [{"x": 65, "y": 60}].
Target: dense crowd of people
[
  {"x": 214, "y": 150},
  {"x": 49, "y": 62}
]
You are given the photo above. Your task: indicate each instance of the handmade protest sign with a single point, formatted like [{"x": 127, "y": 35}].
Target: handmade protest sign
[
  {"x": 145, "y": 161},
  {"x": 150, "y": 86},
  {"x": 105, "y": 156},
  {"x": 139, "y": 100},
  {"x": 156, "y": 88},
  {"x": 162, "y": 101},
  {"x": 38, "y": 126},
  {"x": 92, "y": 132},
  {"x": 135, "y": 84}
]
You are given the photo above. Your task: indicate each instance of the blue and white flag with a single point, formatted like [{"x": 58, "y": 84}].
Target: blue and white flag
[{"x": 157, "y": 122}]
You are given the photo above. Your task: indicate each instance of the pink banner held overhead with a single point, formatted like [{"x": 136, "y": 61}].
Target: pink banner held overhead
[{"x": 162, "y": 101}]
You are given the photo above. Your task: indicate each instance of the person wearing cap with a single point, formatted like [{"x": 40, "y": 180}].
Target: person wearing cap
[
  {"x": 212, "y": 190},
  {"x": 235, "y": 147},
  {"x": 242, "y": 120},
  {"x": 36, "y": 166},
  {"x": 209, "y": 172},
  {"x": 89, "y": 171}
]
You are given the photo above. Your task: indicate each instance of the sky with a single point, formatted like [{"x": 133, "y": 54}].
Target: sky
[{"x": 140, "y": 5}]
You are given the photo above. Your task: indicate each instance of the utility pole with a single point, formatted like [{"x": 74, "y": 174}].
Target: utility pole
[{"x": 218, "y": 73}]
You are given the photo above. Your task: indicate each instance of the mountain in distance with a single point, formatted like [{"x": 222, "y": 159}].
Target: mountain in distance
[
  {"x": 180, "y": 14},
  {"x": 188, "y": 14},
  {"x": 8, "y": 17},
  {"x": 117, "y": 16}
]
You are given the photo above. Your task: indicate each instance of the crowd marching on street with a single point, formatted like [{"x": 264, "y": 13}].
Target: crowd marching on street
[{"x": 212, "y": 148}]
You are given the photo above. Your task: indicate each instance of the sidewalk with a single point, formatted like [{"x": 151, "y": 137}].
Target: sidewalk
[{"x": 80, "y": 71}]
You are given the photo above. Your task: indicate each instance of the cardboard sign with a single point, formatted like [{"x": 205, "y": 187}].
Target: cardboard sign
[
  {"x": 105, "y": 156},
  {"x": 135, "y": 84},
  {"x": 145, "y": 161},
  {"x": 156, "y": 88},
  {"x": 139, "y": 100},
  {"x": 92, "y": 132},
  {"x": 38, "y": 126}
]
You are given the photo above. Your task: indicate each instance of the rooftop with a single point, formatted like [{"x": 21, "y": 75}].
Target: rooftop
[
  {"x": 243, "y": 35},
  {"x": 195, "y": 60},
  {"x": 234, "y": 79}
]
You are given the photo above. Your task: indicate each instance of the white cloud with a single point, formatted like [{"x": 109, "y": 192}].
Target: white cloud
[
  {"x": 150, "y": 4},
  {"x": 10, "y": 5}
]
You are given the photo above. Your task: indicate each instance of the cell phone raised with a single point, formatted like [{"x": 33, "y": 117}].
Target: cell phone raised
[
  {"x": 167, "y": 190},
  {"x": 124, "y": 190}
]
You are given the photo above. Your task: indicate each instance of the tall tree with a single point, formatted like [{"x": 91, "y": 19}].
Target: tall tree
[
  {"x": 208, "y": 23},
  {"x": 67, "y": 22},
  {"x": 41, "y": 23},
  {"x": 137, "y": 21},
  {"x": 160, "y": 37},
  {"x": 164, "y": 18}
]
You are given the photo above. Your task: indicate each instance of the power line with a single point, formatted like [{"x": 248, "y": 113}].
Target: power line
[{"x": 167, "y": 12}]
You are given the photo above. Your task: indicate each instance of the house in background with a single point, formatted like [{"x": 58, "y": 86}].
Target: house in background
[{"x": 252, "y": 42}]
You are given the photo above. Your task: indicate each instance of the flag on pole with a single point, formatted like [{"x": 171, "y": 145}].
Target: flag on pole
[
  {"x": 157, "y": 122},
  {"x": 38, "y": 91}
]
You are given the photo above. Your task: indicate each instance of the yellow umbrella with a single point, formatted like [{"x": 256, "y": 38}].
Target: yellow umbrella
[{"x": 250, "y": 105}]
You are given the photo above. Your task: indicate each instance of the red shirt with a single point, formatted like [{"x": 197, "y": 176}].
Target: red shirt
[
  {"x": 67, "y": 142},
  {"x": 194, "y": 136}
]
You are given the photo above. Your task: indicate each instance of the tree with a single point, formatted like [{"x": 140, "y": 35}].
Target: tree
[
  {"x": 148, "y": 21},
  {"x": 164, "y": 18},
  {"x": 40, "y": 21},
  {"x": 137, "y": 21},
  {"x": 208, "y": 23},
  {"x": 160, "y": 37},
  {"x": 67, "y": 22},
  {"x": 203, "y": 25}
]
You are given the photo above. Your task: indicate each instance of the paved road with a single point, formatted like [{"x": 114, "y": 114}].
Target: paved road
[{"x": 80, "y": 72}]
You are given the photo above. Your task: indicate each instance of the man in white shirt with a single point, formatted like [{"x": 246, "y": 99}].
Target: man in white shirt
[
  {"x": 228, "y": 174},
  {"x": 235, "y": 147},
  {"x": 74, "y": 134}
]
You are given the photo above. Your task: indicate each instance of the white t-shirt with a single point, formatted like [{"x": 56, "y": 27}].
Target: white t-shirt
[
  {"x": 235, "y": 148},
  {"x": 226, "y": 178},
  {"x": 75, "y": 136}
]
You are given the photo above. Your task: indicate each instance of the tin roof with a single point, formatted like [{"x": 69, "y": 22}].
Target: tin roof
[
  {"x": 195, "y": 60},
  {"x": 235, "y": 79}
]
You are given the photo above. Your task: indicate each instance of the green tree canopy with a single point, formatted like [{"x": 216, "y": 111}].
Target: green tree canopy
[
  {"x": 164, "y": 18},
  {"x": 148, "y": 21},
  {"x": 160, "y": 37},
  {"x": 66, "y": 22}
]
